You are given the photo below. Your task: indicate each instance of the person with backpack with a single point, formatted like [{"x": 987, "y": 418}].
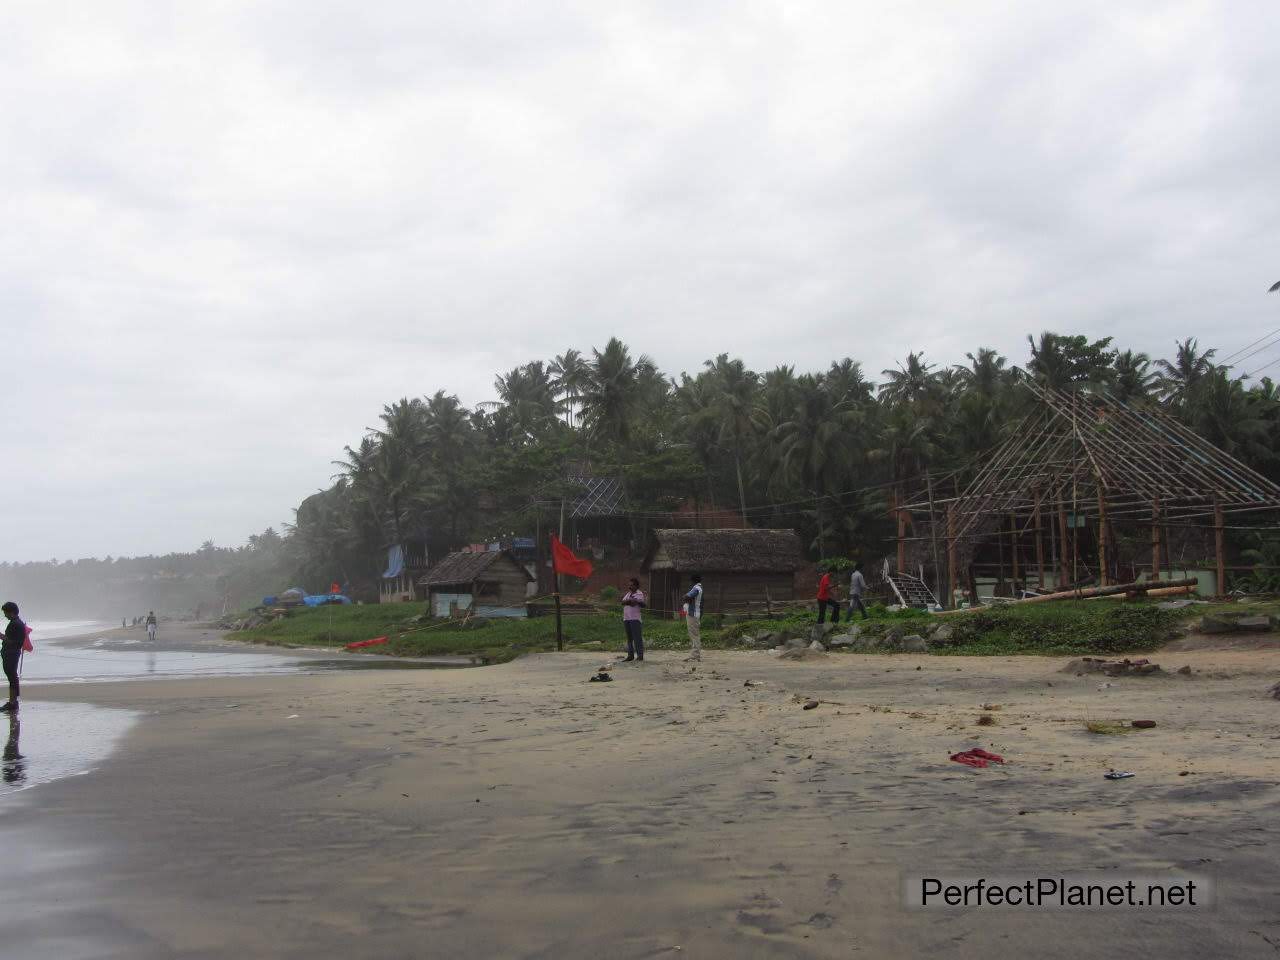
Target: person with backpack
[{"x": 15, "y": 638}]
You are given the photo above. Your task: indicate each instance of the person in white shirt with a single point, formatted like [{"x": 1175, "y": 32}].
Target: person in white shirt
[
  {"x": 857, "y": 584},
  {"x": 693, "y": 617}
]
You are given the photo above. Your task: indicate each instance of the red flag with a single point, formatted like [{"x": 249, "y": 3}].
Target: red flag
[
  {"x": 334, "y": 588},
  {"x": 564, "y": 561}
]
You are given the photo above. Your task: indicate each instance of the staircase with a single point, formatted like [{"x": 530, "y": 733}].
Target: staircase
[{"x": 911, "y": 591}]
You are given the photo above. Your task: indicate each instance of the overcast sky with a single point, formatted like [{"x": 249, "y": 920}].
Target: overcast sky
[{"x": 232, "y": 231}]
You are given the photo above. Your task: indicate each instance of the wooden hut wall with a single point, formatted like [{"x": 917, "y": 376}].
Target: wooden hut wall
[
  {"x": 502, "y": 585},
  {"x": 721, "y": 592}
]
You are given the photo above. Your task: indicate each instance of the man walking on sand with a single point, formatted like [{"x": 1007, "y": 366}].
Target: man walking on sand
[
  {"x": 693, "y": 617},
  {"x": 632, "y": 602},
  {"x": 15, "y": 634},
  {"x": 857, "y": 584},
  {"x": 151, "y": 626}
]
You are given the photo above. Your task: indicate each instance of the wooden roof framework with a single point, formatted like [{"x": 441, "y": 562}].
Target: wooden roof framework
[{"x": 1093, "y": 458}]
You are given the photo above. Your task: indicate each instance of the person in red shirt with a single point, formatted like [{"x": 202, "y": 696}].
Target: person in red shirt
[{"x": 827, "y": 598}]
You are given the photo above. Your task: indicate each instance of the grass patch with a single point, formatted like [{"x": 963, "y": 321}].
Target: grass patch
[
  {"x": 1106, "y": 728},
  {"x": 1068, "y": 627},
  {"x": 498, "y": 639},
  {"x": 1064, "y": 627}
]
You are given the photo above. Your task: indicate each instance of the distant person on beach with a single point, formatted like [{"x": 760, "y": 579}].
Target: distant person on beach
[
  {"x": 857, "y": 586},
  {"x": 15, "y": 634},
  {"x": 151, "y": 625},
  {"x": 693, "y": 617},
  {"x": 632, "y": 603},
  {"x": 826, "y": 598}
]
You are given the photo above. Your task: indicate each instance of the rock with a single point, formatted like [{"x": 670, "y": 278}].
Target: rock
[
  {"x": 1231, "y": 623},
  {"x": 943, "y": 633},
  {"x": 820, "y": 631},
  {"x": 914, "y": 643},
  {"x": 810, "y": 705},
  {"x": 801, "y": 653},
  {"x": 1185, "y": 671},
  {"x": 795, "y": 643},
  {"x": 1172, "y": 604},
  {"x": 815, "y": 645},
  {"x": 1143, "y": 724},
  {"x": 766, "y": 639},
  {"x": 1275, "y": 692},
  {"x": 843, "y": 640}
]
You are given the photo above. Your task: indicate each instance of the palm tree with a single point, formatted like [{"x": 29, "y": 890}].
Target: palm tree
[
  {"x": 1178, "y": 380},
  {"x": 569, "y": 377},
  {"x": 1133, "y": 378},
  {"x": 733, "y": 402},
  {"x": 816, "y": 444},
  {"x": 610, "y": 397},
  {"x": 526, "y": 396},
  {"x": 912, "y": 384}
]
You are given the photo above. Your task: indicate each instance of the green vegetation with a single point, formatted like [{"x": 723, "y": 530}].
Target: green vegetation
[
  {"x": 1095, "y": 628},
  {"x": 1099, "y": 628}
]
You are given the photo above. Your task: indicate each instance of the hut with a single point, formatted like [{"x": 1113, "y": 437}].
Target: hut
[
  {"x": 406, "y": 564},
  {"x": 742, "y": 570},
  {"x": 490, "y": 583}
]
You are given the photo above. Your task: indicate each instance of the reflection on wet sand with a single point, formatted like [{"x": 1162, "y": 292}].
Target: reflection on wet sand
[
  {"x": 60, "y": 740},
  {"x": 14, "y": 768}
]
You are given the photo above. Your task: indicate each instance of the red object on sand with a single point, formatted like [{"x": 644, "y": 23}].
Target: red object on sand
[
  {"x": 977, "y": 757},
  {"x": 565, "y": 561},
  {"x": 26, "y": 642},
  {"x": 366, "y": 643}
]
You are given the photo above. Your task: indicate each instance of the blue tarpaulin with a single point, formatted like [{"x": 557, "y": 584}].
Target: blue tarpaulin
[
  {"x": 320, "y": 599},
  {"x": 395, "y": 562}
]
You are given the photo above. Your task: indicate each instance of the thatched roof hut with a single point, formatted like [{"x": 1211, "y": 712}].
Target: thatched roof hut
[
  {"x": 492, "y": 583},
  {"x": 741, "y": 569}
]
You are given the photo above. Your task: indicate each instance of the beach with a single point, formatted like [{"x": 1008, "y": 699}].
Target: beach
[{"x": 683, "y": 809}]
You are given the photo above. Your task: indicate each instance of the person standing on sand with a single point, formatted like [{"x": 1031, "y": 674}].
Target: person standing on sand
[
  {"x": 857, "y": 584},
  {"x": 15, "y": 634},
  {"x": 151, "y": 625},
  {"x": 693, "y": 617},
  {"x": 827, "y": 599},
  {"x": 632, "y": 603}
]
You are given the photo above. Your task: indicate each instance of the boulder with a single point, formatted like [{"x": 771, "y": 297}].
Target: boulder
[
  {"x": 842, "y": 640},
  {"x": 1233, "y": 623},
  {"x": 795, "y": 643},
  {"x": 914, "y": 643},
  {"x": 943, "y": 633},
  {"x": 817, "y": 645}
]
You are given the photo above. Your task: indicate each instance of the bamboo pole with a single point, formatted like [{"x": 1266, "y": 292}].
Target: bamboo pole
[
  {"x": 951, "y": 556},
  {"x": 1063, "y": 546},
  {"x": 1219, "y": 545},
  {"x": 1155, "y": 540},
  {"x": 1039, "y": 547},
  {"x": 1013, "y": 536},
  {"x": 1136, "y": 587},
  {"x": 1102, "y": 535}
]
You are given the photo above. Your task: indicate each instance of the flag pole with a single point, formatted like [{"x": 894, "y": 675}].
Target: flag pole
[{"x": 556, "y": 593}]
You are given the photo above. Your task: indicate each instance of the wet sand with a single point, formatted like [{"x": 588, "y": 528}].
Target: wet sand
[{"x": 520, "y": 811}]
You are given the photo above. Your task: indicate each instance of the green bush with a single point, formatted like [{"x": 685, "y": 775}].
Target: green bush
[
  {"x": 1062, "y": 627},
  {"x": 609, "y": 594}
]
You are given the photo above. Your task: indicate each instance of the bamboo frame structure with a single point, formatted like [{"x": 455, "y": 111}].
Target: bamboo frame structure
[{"x": 1089, "y": 458}]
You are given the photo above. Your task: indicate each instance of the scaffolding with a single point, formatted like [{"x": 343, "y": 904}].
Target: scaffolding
[{"x": 1085, "y": 458}]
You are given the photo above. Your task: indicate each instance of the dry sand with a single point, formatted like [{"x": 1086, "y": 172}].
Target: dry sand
[{"x": 520, "y": 811}]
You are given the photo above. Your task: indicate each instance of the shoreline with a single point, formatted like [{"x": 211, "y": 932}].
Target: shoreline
[{"x": 520, "y": 810}]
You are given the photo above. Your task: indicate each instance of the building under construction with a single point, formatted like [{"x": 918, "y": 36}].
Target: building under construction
[{"x": 1066, "y": 500}]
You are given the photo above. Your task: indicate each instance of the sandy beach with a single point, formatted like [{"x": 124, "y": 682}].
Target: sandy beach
[{"x": 521, "y": 811}]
